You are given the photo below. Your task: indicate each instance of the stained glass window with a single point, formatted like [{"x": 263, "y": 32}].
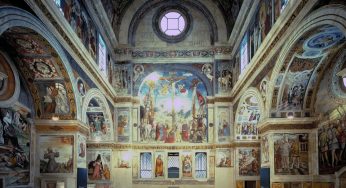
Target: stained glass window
[
  {"x": 201, "y": 165},
  {"x": 102, "y": 56},
  {"x": 173, "y": 165},
  {"x": 146, "y": 165}
]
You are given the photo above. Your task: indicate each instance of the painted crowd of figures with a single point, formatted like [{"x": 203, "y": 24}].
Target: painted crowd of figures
[
  {"x": 97, "y": 123},
  {"x": 248, "y": 116},
  {"x": 56, "y": 154},
  {"x": 332, "y": 142},
  {"x": 249, "y": 163},
  {"x": 173, "y": 108},
  {"x": 55, "y": 98},
  {"x": 80, "y": 21},
  {"x": 14, "y": 146},
  {"x": 97, "y": 170}
]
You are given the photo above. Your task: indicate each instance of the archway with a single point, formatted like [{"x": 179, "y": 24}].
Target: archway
[
  {"x": 42, "y": 62},
  {"x": 248, "y": 114},
  {"x": 298, "y": 69},
  {"x": 97, "y": 115},
  {"x": 40, "y": 87}
]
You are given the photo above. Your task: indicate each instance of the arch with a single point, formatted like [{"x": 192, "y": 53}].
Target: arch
[
  {"x": 12, "y": 99},
  {"x": 181, "y": 67},
  {"x": 148, "y": 6},
  {"x": 333, "y": 15},
  {"x": 15, "y": 17},
  {"x": 335, "y": 86},
  {"x": 104, "y": 108},
  {"x": 249, "y": 93}
]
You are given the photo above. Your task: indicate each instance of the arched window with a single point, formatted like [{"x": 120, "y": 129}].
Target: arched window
[
  {"x": 173, "y": 165},
  {"x": 102, "y": 56},
  {"x": 201, "y": 165},
  {"x": 146, "y": 165}
]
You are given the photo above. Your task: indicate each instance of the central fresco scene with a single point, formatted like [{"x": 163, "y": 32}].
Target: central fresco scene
[{"x": 173, "y": 108}]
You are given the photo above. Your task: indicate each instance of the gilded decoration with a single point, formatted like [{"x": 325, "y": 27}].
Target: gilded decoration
[
  {"x": 61, "y": 30},
  {"x": 46, "y": 75}
]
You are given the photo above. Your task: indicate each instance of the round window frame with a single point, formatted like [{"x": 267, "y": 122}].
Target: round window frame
[
  {"x": 341, "y": 79},
  {"x": 157, "y": 23}
]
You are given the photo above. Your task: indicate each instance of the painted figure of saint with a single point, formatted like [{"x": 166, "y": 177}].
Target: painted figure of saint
[
  {"x": 226, "y": 128},
  {"x": 221, "y": 163},
  {"x": 228, "y": 162},
  {"x": 81, "y": 89},
  {"x": 52, "y": 165},
  {"x": 159, "y": 166},
  {"x": 187, "y": 166},
  {"x": 285, "y": 153},
  {"x": 97, "y": 123},
  {"x": 97, "y": 168},
  {"x": 107, "y": 173},
  {"x": 82, "y": 150},
  {"x": 49, "y": 99}
]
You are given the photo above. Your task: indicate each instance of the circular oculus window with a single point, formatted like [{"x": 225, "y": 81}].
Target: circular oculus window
[{"x": 172, "y": 24}]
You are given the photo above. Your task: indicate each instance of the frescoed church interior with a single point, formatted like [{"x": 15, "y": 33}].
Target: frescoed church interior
[{"x": 173, "y": 94}]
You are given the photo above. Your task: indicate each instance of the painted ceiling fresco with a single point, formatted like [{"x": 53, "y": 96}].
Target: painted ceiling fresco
[
  {"x": 44, "y": 72},
  {"x": 115, "y": 10},
  {"x": 298, "y": 77},
  {"x": 173, "y": 108}
]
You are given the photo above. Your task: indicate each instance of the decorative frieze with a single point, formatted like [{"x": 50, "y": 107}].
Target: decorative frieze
[
  {"x": 187, "y": 53},
  {"x": 176, "y": 147}
]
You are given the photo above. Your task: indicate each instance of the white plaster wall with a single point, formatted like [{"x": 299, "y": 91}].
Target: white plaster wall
[
  {"x": 224, "y": 177},
  {"x": 210, "y": 5},
  {"x": 122, "y": 177}
]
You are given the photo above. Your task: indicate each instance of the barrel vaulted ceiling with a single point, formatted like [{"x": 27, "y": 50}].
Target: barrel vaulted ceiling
[{"x": 116, "y": 9}]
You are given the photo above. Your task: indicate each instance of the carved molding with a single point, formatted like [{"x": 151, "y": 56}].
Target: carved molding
[
  {"x": 186, "y": 53},
  {"x": 175, "y": 182},
  {"x": 61, "y": 126},
  {"x": 286, "y": 124},
  {"x": 137, "y": 146}
]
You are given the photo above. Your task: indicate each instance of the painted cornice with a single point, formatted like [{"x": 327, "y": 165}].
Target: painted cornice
[
  {"x": 44, "y": 126},
  {"x": 274, "y": 124}
]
